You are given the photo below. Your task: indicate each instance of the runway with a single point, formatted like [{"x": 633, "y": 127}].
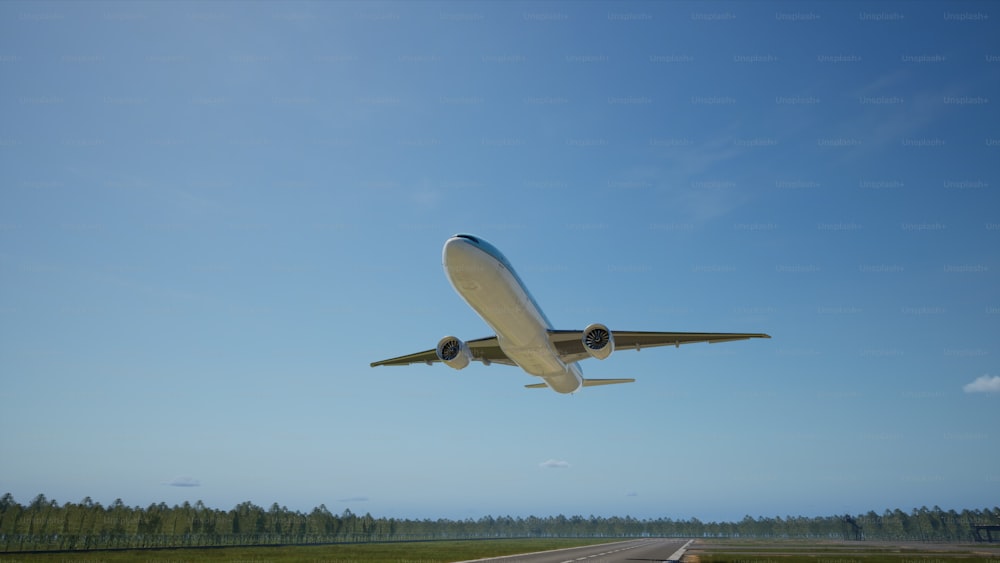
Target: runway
[{"x": 632, "y": 551}]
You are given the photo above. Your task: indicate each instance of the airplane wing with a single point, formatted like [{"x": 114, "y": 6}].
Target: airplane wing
[
  {"x": 486, "y": 350},
  {"x": 569, "y": 343}
]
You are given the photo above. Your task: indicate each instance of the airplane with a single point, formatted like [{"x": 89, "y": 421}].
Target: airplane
[{"x": 525, "y": 338}]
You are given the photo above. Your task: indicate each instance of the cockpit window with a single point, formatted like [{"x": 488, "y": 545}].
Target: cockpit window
[{"x": 468, "y": 237}]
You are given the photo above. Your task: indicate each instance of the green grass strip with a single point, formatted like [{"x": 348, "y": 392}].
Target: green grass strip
[{"x": 400, "y": 552}]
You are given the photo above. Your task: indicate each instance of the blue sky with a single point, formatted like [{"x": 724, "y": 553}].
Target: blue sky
[{"x": 215, "y": 216}]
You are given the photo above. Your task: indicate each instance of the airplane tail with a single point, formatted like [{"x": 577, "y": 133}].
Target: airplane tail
[
  {"x": 586, "y": 383},
  {"x": 594, "y": 382}
]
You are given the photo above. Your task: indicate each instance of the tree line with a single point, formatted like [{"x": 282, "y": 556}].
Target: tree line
[{"x": 44, "y": 524}]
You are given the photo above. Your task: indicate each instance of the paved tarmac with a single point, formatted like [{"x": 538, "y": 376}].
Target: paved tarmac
[{"x": 632, "y": 551}]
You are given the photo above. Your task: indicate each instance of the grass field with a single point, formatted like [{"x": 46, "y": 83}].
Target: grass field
[
  {"x": 795, "y": 551},
  {"x": 423, "y": 552}
]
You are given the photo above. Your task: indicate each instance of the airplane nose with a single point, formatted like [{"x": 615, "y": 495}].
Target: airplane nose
[
  {"x": 455, "y": 249},
  {"x": 461, "y": 259}
]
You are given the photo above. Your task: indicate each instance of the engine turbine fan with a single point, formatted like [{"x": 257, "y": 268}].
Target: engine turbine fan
[
  {"x": 453, "y": 352},
  {"x": 598, "y": 341}
]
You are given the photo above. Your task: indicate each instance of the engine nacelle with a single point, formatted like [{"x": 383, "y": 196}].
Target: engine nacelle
[
  {"x": 453, "y": 352},
  {"x": 598, "y": 341}
]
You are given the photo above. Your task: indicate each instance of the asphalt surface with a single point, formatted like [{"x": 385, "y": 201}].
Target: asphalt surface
[{"x": 633, "y": 551}]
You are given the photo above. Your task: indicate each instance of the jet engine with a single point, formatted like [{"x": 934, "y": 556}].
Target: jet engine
[
  {"x": 598, "y": 341},
  {"x": 453, "y": 352}
]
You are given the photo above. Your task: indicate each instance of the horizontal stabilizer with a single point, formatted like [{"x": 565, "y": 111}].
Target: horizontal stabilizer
[
  {"x": 586, "y": 383},
  {"x": 593, "y": 382}
]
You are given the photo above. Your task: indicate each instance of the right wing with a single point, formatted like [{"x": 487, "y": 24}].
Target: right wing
[
  {"x": 569, "y": 343},
  {"x": 486, "y": 350}
]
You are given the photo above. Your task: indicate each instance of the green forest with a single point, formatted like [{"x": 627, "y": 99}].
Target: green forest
[{"x": 44, "y": 525}]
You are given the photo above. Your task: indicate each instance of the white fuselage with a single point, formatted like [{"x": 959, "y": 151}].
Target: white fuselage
[{"x": 486, "y": 281}]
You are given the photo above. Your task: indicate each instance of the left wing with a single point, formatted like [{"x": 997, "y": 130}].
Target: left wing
[
  {"x": 486, "y": 350},
  {"x": 569, "y": 343}
]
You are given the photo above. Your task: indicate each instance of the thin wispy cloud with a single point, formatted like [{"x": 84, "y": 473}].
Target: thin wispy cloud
[
  {"x": 183, "y": 482},
  {"x": 983, "y": 384},
  {"x": 554, "y": 464},
  {"x": 703, "y": 181}
]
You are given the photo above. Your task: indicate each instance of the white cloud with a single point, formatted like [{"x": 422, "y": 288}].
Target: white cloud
[
  {"x": 984, "y": 384},
  {"x": 554, "y": 464},
  {"x": 183, "y": 482}
]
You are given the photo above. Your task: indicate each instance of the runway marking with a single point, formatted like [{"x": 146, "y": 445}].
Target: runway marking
[
  {"x": 548, "y": 551},
  {"x": 642, "y": 544},
  {"x": 601, "y": 554}
]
